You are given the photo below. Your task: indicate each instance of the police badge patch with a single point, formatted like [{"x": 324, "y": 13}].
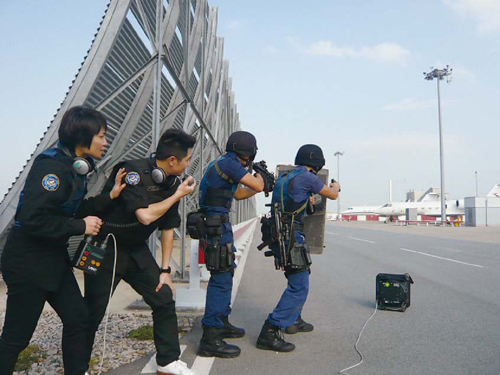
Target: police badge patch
[
  {"x": 132, "y": 178},
  {"x": 50, "y": 182}
]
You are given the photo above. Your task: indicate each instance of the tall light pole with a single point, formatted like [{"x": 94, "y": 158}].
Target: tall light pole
[
  {"x": 338, "y": 154},
  {"x": 440, "y": 74},
  {"x": 476, "y": 184}
]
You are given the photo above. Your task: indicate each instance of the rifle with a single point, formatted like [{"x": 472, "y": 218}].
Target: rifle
[
  {"x": 281, "y": 234},
  {"x": 261, "y": 168},
  {"x": 274, "y": 237}
]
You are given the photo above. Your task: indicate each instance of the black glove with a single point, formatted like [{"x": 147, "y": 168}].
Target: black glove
[
  {"x": 310, "y": 208},
  {"x": 264, "y": 178}
]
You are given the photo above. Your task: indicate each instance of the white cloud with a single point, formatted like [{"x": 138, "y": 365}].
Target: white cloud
[
  {"x": 327, "y": 48},
  {"x": 388, "y": 52},
  {"x": 409, "y": 104},
  {"x": 486, "y": 13}
]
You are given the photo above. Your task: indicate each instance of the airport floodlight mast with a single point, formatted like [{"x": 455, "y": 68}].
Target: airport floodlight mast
[
  {"x": 476, "y": 184},
  {"x": 440, "y": 74},
  {"x": 338, "y": 154}
]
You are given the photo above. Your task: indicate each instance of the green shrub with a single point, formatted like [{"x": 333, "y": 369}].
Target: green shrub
[
  {"x": 32, "y": 354},
  {"x": 141, "y": 333}
]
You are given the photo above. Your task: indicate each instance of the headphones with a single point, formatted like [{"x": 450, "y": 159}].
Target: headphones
[
  {"x": 158, "y": 175},
  {"x": 81, "y": 166}
]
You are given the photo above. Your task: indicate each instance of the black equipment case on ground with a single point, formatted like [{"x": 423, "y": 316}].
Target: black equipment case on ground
[{"x": 393, "y": 291}]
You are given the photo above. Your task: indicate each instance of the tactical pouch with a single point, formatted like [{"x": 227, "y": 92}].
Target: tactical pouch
[
  {"x": 299, "y": 257},
  {"x": 196, "y": 225},
  {"x": 230, "y": 255},
  {"x": 219, "y": 257},
  {"x": 213, "y": 226},
  {"x": 212, "y": 257},
  {"x": 266, "y": 230}
]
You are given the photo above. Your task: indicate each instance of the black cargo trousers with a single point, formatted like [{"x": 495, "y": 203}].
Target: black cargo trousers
[
  {"x": 25, "y": 305},
  {"x": 136, "y": 266}
]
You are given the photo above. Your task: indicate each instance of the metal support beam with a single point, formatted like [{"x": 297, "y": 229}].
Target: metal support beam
[
  {"x": 126, "y": 83},
  {"x": 185, "y": 94}
]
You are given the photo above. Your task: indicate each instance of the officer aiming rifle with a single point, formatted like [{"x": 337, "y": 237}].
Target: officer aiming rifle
[{"x": 225, "y": 179}]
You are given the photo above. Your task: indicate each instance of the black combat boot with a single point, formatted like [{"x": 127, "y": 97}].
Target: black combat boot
[
  {"x": 229, "y": 331},
  {"x": 212, "y": 345},
  {"x": 299, "y": 326},
  {"x": 271, "y": 338}
]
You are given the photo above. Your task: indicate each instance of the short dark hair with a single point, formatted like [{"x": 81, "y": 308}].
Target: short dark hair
[
  {"x": 79, "y": 125},
  {"x": 176, "y": 143}
]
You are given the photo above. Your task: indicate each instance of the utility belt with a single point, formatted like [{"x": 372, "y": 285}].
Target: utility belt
[{"x": 200, "y": 226}]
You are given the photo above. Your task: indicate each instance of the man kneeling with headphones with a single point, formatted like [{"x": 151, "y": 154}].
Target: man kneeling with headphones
[{"x": 149, "y": 201}]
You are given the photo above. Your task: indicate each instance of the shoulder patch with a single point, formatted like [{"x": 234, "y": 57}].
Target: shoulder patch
[
  {"x": 132, "y": 178},
  {"x": 50, "y": 182}
]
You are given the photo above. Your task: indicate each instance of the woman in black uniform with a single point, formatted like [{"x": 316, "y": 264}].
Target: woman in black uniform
[{"x": 35, "y": 261}]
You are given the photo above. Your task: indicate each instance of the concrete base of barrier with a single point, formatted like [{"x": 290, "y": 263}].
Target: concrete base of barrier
[{"x": 193, "y": 298}]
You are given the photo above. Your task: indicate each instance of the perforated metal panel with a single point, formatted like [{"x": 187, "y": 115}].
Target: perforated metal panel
[{"x": 119, "y": 77}]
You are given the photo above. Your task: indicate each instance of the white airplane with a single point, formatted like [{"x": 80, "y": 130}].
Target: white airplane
[
  {"x": 429, "y": 208},
  {"x": 360, "y": 210},
  {"x": 495, "y": 192},
  {"x": 429, "y": 204}
]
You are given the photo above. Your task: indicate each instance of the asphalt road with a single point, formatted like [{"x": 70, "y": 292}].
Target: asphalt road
[{"x": 451, "y": 327}]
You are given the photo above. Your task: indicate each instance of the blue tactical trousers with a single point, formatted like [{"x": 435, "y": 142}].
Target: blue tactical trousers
[
  {"x": 218, "y": 304},
  {"x": 219, "y": 289},
  {"x": 292, "y": 300},
  {"x": 294, "y": 297}
]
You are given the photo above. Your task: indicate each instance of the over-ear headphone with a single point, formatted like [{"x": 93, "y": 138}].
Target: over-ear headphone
[
  {"x": 158, "y": 175},
  {"x": 81, "y": 166}
]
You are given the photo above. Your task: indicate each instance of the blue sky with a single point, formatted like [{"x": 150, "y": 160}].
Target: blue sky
[{"x": 346, "y": 75}]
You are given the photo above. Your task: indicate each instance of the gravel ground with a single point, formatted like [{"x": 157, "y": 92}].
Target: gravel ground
[{"x": 120, "y": 350}]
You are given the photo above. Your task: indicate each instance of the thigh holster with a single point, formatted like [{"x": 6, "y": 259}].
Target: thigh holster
[
  {"x": 299, "y": 257},
  {"x": 219, "y": 257}
]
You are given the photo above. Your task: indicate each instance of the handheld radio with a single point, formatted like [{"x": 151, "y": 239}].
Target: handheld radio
[{"x": 90, "y": 255}]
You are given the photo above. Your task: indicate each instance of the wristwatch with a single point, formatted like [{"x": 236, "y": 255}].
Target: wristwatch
[{"x": 165, "y": 270}]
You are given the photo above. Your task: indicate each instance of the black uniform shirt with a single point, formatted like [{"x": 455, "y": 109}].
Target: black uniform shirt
[
  {"x": 36, "y": 248},
  {"x": 140, "y": 192}
]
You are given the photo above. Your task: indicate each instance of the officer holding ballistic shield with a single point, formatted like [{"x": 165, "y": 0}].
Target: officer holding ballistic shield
[{"x": 291, "y": 195}]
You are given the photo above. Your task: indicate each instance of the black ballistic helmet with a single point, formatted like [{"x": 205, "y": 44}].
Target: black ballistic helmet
[
  {"x": 310, "y": 155},
  {"x": 242, "y": 143}
]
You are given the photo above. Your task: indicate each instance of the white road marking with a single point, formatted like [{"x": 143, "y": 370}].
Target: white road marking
[
  {"x": 150, "y": 367},
  {"x": 360, "y": 239},
  {"x": 446, "y": 248},
  {"x": 203, "y": 365},
  {"x": 435, "y": 256},
  {"x": 330, "y": 232}
]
